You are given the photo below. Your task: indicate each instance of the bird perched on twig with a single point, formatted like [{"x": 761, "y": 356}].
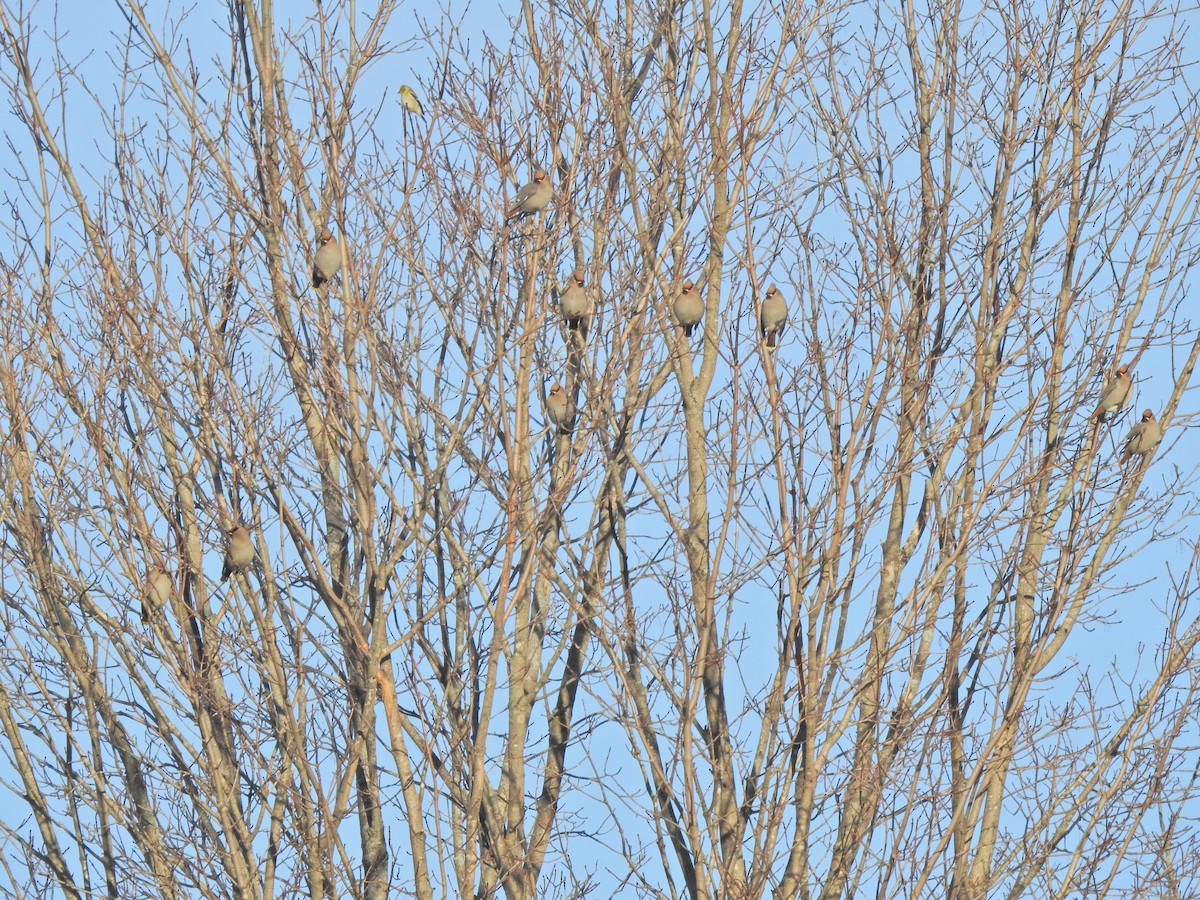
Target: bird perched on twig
[
  {"x": 558, "y": 408},
  {"x": 328, "y": 259},
  {"x": 411, "y": 102},
  {"x": 575, "y": 304},
  {"x": 772, "y": 317},
  {"x": 688, "y": 308},
  {"x": 533, "y": 195},
  {"x": 1143, "y": 437},
  {"x": 1115, "y": 395},
  {"x": 156, "y": 590},
  {"x": 239, "y": 552}
]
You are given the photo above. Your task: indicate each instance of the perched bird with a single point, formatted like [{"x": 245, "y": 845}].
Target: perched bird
[
  {"x": 1143, "y": 437},
  {"x": 328, "y": 259},
  {"x": 533, "y": 195},
  {"x": 239, "y": 552},
  {"x": 409, "y": 98},
  {"x": 773, "y": 316},
  {"x": 575, "y": 304},
  {"x": 558, "y": 408},
  {"x": 688, "y": 308},
  {"x": 1115, "y": 394},
  {"x": 156, "y": 590}
]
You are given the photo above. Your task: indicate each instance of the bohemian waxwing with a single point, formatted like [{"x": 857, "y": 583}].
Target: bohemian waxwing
[
  {"x": 1143, "y": 437},
  {"x": 688, "y": 308},
  {"x": 239, "y": 552},
  {"x": 409, "y": 98},
  {"x": 575, "y": 304},
  {"x": 533, "y": 195},
  {"x": 156, "y": 590},
  {"x": 773, "y": 316},
  {"x": 558, "y": 408},
  {"x": 1115, "y": 394},
  {"x": 328, "y": 259}
]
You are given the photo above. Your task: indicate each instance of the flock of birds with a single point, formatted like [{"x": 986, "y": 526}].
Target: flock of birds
[
  {"x": 575, "y": 304},
  {"x": 576, "y": 307}
]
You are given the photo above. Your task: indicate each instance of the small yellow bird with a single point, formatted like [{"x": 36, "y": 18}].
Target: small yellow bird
[
  {"x": 409, "y": 98},
  {"x": 328, "y": 260},
  {"x": 239, "y": 552},
  {"x": 155, "y": 591}
]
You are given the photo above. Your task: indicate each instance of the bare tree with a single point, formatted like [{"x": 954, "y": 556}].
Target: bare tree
[{"x": 711, "y": 619}]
